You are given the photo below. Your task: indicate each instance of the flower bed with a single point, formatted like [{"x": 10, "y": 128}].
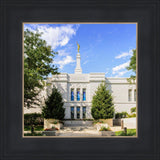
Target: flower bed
[
  {"x": 100, "y": 125},
  {"x": 49, "y": 123},
  {"x": 50, "y": 131}
]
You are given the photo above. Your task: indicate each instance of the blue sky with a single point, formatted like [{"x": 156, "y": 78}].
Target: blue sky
[{"x": 103, "y": 47}]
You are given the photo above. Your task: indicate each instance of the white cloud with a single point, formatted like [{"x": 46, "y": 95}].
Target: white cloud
[
  {"x": 55, "y": 36},
  {"x": 107, "y": 71},
  {"x": 63, "y": 58},
  {"x": 121, "y": 73},
  {"x": 124, "y": 54},
  {"x": 85, "y": 62},
  {"x": 62, "y": 52},
  {"x": 120, "y": 67},
  {"x": 66, "y": 60}
]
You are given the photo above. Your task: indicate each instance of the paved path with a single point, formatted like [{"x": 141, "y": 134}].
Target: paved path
[
  {"x": 116, "y": 128},
  {"x": 83, "y": 131}
]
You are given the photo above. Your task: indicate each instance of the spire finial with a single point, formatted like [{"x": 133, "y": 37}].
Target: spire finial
[{"x": 78, "y": 47}]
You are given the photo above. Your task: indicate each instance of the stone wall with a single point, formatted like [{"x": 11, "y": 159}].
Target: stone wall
[
  {"x": 130, "y": 123},
  {"x": 49, "y": 123},
  {"x": 108, "y": 121}
]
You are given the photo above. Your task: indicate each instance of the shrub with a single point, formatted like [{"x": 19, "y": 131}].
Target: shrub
[
  {"x": 121, "y": 115},
  {"x": 131, "y": 115},
  {"x": 54, "y": 106},
  {"x": 133, "y": 109},
  {"x": 33, "y": 119},
  {"x": 105, "y": 129},
  {"x": 102, "y": 105}
]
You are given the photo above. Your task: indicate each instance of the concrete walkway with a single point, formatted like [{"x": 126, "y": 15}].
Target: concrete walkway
[{"x": 82, "y": 131}]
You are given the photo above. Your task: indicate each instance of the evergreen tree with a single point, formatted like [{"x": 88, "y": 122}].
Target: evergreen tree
[
  {"x": 54, "y": 106},
  {"x": 102, "y": 105}
]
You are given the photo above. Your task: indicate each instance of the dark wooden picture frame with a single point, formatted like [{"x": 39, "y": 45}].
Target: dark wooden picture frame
[{"x": 144, "y": 147}]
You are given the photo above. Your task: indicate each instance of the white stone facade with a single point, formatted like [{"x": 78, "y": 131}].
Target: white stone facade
[{"x": 124, "y": 94}]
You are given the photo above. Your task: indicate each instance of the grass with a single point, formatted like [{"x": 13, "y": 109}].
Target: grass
[
  {"x": 33, "y": 134},
  {"x": 130, "y": 132},
  {"x": 36, "y": 128}
]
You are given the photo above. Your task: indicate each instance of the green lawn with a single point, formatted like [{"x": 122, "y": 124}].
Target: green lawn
[
  {"x": 130, "y": 132},
  {"x": 33, "y": 134},
  {"x": 36, "y": 128}
]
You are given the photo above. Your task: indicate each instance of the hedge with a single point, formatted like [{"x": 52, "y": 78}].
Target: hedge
[
  {"x": 121, "y": 115},
  {"x": 33, "y": 119}
]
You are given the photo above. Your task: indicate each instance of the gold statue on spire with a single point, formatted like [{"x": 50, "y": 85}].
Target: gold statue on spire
[{"x": 78, "y": 47}]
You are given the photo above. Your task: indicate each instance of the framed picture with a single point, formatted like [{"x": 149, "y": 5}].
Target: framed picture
[
  {"x": 79, "y": 80},
  {"x": 72, "y": 97}
]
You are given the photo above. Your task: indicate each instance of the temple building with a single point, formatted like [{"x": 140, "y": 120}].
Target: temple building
[{"x": 78, "y": 89}]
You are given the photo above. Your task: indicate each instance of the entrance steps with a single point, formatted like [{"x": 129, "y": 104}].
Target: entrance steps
[{"x": 77, "y": 123}]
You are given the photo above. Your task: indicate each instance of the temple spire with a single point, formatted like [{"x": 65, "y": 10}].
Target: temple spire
[{"x": 78, "y": 69}]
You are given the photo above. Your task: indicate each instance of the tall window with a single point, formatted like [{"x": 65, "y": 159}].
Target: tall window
[
  {"x": 84, "y": 112},
  {"x": 78, "y": 94},
  {"x": 129, "y": 95},
  {"x": 78, "y": 112},
  {"x": 135, "y": 95},
  {"x": 84, "y": 94},
  {"x": 72, "y": 112},
  {"x": 72, "y": 94}
]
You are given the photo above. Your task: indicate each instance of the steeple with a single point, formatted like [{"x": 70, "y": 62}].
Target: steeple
[{"x": 78, "y": 69}]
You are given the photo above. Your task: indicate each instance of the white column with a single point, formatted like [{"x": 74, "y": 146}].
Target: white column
[
  {"x": 78, "y": 69},
  {"x": 75, "y": 94},
  {"x": 81, "y": 113},
  {"x": 81, "y": 93},
  {"x": 88, "y": 110}
]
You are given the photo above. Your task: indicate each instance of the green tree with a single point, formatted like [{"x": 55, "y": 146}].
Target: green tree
[
  {"x": 132, "y": 67},
  {"x": 102, "y": 105},
  {"x": 54, "y": 106},
  {"x": 133, "y": 109},
  {"x": 38, "y": 64}
]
